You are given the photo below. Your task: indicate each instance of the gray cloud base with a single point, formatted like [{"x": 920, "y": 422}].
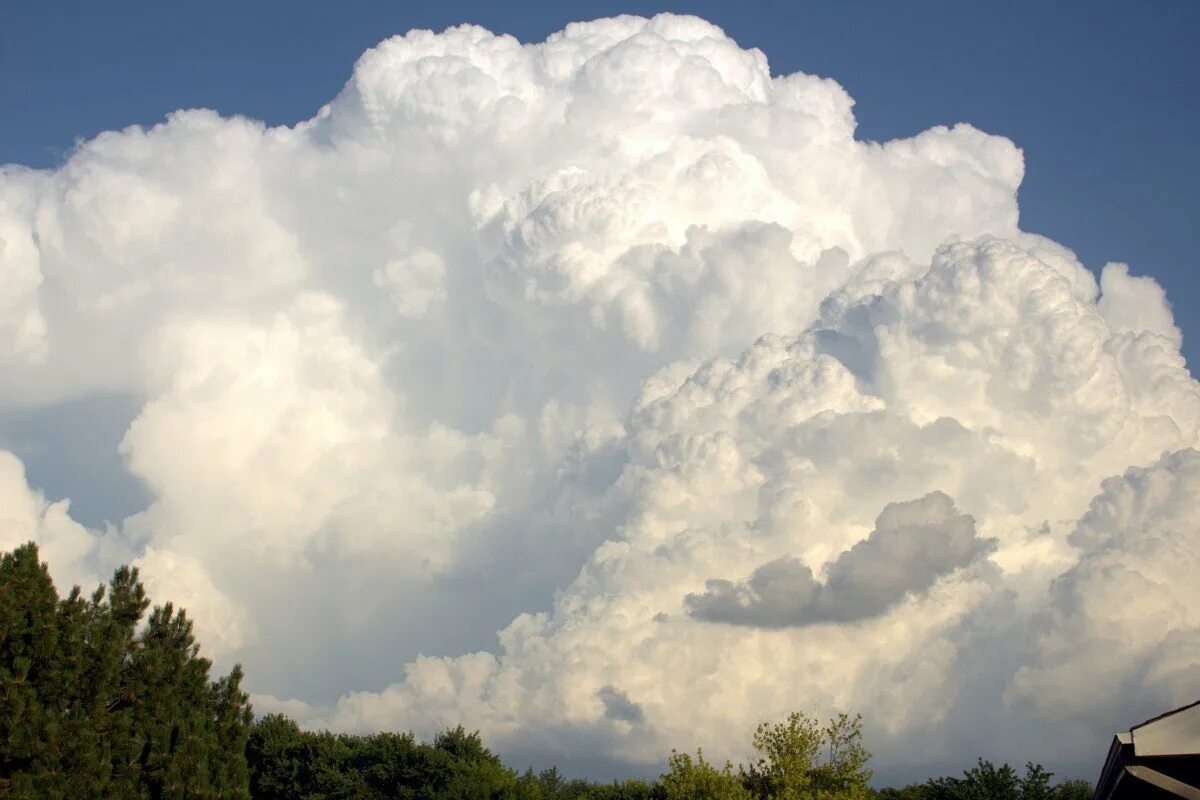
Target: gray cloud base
[
  {"x": 913, "y": 544},
  {"x": 618, "y": 706}
]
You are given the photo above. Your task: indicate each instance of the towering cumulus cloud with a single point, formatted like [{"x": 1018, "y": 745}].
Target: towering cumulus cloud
[{"x": 627, "y": 349}]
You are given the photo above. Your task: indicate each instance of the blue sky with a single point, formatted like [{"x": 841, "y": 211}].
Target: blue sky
[{"x": 1101, "y": 96}]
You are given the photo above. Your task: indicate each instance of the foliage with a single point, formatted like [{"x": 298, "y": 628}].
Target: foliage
[
  {"x": 799, "y": 760},
  {"x": 686, "y": 779},
  {"x": 287, "y": 763},
  {"x": 1072, "y": 790},
  {"x": 986, "y": 781},
  {"x": 90, "y": 707}
]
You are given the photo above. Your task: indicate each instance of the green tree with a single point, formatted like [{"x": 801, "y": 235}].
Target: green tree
[
  {"x": 29, "y": 659},
  {"x": 1072, "y": 790},
  {"x": 91, "y": 708},
  {"x": 986, "y": 781},
  {"x": 621, "y": 790},
  {"x": 232, "y": 717},
  {"x": 280, "y": 757},
  {"x": 914, "y": 791},
  {"x": 686, "y": 779},
  {"x": 287, "y": 763},
  {"x": 551, "y": 781},
  {"x": 800, "y": 760}
]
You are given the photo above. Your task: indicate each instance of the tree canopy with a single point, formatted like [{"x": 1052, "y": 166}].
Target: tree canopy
[
  {"x": 800, "y": 760},
  {"x": 91, "y": 706},
  {"x": 986, "y": 781}
]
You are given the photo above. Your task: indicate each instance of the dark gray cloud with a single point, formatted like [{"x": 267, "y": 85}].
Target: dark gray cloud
[
  {"x": 913, "y": 544},
  {"x": 618, "y": 706}
]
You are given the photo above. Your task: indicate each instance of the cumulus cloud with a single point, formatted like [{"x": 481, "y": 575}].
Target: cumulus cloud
[
  {"x": 913, "y": 544},
  {"x": 1125, "y": 615},
  {"x": 780, "y": 453},
  {"x": 26, "y": 515},
  {"x": 541, "y": 338}
]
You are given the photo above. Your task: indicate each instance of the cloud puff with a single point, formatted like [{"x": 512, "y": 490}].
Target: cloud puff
[
  {"x": 26, "y": 515},
  {"x": 913, "y": 544},
  {"x": 1125, "y": 615},
  {"x": 539, "y": 339}
]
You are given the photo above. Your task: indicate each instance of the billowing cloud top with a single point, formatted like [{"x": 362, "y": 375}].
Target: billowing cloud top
[{"x": 606, "y": 343}]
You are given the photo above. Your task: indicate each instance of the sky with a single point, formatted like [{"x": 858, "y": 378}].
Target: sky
[{"x": 615, "y": 386}]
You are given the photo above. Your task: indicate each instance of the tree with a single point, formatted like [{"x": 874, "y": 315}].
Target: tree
[
  {"x": 91, "y": 708},
  {"x": 1072, "y": 790},
  {"x": 463, "y": 746},
  {"x": 799, "y": 760},
  {"x": 279, "y": 759},
  {"x": 621, "y": 790},
  {"x": 551, "y": 781},
  {"x": 29, "y": 659},
  {"x": 914, "y": 791},
  {"x": 986, "y": 781},
  {"x": 233, "y": 717},
  {"x": 699, "y": 780}
]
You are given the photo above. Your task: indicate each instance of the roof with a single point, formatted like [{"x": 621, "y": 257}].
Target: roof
[
  {"x": 1164, "y": 782},
  {"x": 1158, "y": 757},
  {"x": 1174, "y": 733}
]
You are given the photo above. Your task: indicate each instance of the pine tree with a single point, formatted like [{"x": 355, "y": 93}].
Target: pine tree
[
  {"x": 90, "y": 708},
  {"x": 28, "y": 649}
]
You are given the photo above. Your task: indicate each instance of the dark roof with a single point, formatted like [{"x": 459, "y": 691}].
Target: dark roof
[
  {"x": 1158, "y": 758},
  {"x": 1164, "y": 782},
  {"x": 1165, "y": 714},
  {"x": 1172, "y": 734}
]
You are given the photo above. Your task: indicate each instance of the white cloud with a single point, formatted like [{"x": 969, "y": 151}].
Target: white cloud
[
  {"x": 1136, "y": 304},
  {"x": 26, "y": 515},
  {"x": 985, "y": 378},
  {"x": 541, "y": 338},
  {"x": 1125, "y": 616},
  {"x": 22, "y": 327}
]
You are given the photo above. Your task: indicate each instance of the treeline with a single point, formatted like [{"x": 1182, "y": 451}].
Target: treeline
[
  {"x": 97, "y": 703},
  {"x": 986, "y": 781},
  {"x": 287, "y": 763},
  {"x": 798, "y": 760}
]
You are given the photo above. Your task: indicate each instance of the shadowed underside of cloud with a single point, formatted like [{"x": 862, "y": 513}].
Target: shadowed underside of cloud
[
  {"x": 618, "y": 706},
  {"x": 913, "y": 544},
  {"x": 458, "y": 393}
]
